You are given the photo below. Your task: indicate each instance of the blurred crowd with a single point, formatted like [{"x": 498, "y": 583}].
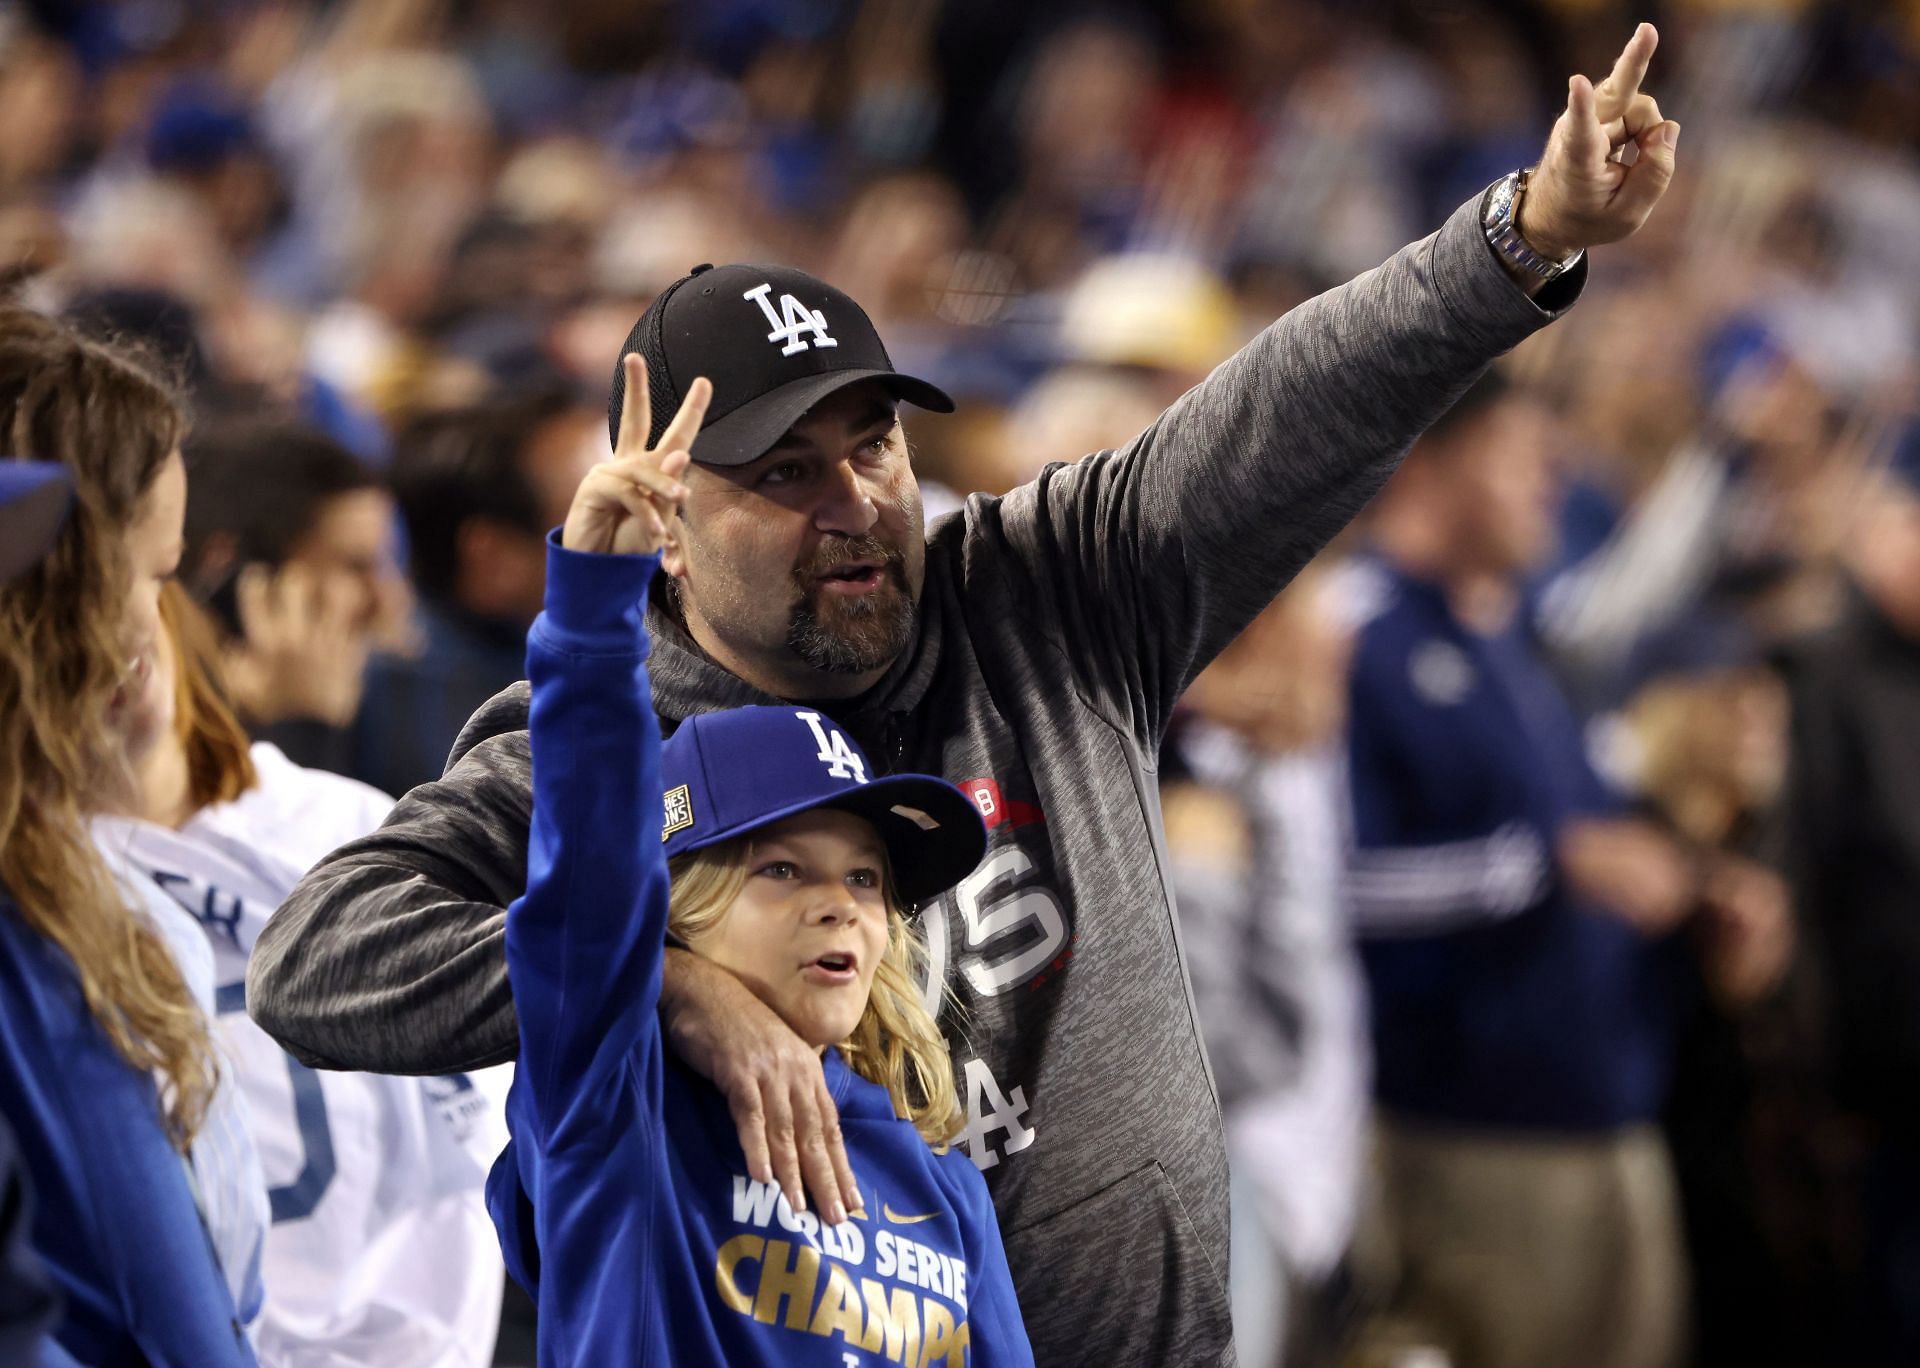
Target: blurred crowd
[{"x": 1550, "y": 852}]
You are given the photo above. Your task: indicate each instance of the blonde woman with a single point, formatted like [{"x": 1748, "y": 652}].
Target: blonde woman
[
  {"x": 380, "y": 1254},
  {"x": 759, "y": 838},
  {"x": 150, "y": 1210}
]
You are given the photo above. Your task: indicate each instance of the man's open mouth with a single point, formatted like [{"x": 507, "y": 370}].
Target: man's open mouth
[{"x": 854, "y": 576}]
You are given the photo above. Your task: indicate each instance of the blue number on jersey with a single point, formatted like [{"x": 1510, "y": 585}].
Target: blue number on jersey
[{"x": 302, "y": 1195}]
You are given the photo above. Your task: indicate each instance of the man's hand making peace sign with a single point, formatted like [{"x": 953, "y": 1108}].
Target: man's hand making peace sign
[{"x": 1583, "y": 194}]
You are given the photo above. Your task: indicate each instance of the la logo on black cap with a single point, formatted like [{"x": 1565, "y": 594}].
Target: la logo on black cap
[{"x": 793, "y": 319}]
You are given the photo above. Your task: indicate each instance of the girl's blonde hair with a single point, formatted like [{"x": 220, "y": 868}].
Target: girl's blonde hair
[
  {"x": 895, "y": 1043},
  {"x": 113, "y": 424}
]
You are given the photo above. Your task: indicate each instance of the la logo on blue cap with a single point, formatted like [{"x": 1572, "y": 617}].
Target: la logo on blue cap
[{"x": 836, "y": 752}]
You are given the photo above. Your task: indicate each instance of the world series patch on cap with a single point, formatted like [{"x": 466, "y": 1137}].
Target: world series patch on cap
[
  {"x": 728, "y": 774},
  {"x": 772, "y": 340}
]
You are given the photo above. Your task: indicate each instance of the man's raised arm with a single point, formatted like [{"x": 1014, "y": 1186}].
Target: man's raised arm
[{"x": 1150, "y": 559}]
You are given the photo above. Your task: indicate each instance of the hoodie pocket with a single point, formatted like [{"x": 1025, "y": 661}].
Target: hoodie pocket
[{"x": 1122, "y": 1278}]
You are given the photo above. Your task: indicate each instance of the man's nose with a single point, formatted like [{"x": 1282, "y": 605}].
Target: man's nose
[{"x": 846, "y": 504}]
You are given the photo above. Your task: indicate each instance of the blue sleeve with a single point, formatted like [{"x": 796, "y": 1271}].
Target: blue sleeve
[
  {"x": 585, "y": 944},
  {"x": 996, "y": 1334}
]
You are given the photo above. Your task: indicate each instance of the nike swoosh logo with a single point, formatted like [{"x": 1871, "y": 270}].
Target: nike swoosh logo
[{"x": 898, "y": 1219}]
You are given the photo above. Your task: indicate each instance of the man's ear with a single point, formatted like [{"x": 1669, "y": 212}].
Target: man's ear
[{"x": 673, "y": 559}]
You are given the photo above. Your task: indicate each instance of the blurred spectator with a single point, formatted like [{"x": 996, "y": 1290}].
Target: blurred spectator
[
  {"x": 290, "y": 543},
  {"x": 479, "y": 489},
  {"x": 1736, "y": 485},
  {"x": 381, "y": 1250},
  {"x": 1856, "y": 828},
  {"x": 1075, "y": 408},
  {"x": 1514, "y": 925},
  {"x": 1253, "y": 794},
  {"x": 1747, "y": 1120},
  {"x": 204, "y": 138},
  {"x": 1169, "y": 317},
  {"x": 40, "y": 91}
]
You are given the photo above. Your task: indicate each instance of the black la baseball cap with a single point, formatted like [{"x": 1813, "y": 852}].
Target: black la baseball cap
[{"x": 772, "y": 340}]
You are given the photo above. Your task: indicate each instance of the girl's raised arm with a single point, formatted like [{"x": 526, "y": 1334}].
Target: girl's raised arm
[{"x": 586, "y": 941}]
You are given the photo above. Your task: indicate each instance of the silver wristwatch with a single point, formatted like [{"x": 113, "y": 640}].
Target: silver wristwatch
[{"x": 1502, "y": 224}]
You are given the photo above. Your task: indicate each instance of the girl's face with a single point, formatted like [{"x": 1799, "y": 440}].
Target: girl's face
[
  {"x": 810, "y": 927},
  {"x": 144, "y": 705}
]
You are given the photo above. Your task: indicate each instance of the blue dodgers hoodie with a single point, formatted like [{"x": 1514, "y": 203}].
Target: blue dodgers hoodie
[
  {"x": 622, "y": 1200},
  {"x": 1500, "y": 999}
]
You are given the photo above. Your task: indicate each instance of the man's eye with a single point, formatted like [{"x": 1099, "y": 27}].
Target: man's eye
[{"x": 783, "y": 473}]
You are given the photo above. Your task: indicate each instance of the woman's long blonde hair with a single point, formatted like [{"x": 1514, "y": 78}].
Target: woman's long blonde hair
[
  {"x": 62, "y": 656},
  {"x": 895, "y": 1042}
]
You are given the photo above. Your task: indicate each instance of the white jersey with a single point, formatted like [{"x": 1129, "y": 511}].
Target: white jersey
[
  {"x": 224, "y": 1163},
  {"x": 381, "y": 1253}
]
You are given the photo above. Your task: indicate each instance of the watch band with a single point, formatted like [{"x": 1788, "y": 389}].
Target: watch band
[{"x": 1502, "y": 225}]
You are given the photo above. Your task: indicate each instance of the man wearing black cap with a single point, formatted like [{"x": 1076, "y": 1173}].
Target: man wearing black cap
[{"x": 1030, "y": 649}]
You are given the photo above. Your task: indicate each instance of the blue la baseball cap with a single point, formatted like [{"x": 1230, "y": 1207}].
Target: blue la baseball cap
[
  {"x": 34, "y": 498},
  {"x": 730, "y": 773}
]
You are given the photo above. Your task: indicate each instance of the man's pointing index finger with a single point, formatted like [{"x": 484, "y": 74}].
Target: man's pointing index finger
[{"x": 1623, "y": 82}]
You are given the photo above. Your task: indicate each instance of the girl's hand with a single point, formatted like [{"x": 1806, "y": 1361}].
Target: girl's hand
[{"x": 626, "y": 505}]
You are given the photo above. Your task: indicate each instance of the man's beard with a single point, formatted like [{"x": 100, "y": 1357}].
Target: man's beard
[{"x": 840, "y": 634}]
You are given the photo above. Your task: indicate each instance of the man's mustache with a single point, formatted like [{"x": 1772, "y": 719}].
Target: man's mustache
[{"x": 840, "y": 550}]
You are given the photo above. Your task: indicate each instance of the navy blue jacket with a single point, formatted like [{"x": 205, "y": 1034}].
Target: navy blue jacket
[
  {"x": 114, "y": 1216},
  {"x": 622, "y": 1201},
  {"x": 1499, "y": 999}
]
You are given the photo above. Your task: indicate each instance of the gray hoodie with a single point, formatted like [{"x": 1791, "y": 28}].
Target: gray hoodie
[{"x": 1058, "y": 626}]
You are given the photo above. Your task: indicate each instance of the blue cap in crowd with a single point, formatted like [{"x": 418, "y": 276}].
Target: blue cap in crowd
[
  {"x": 34, "y": 498},
  {"x": 196, "y": 126},
  {"x": 730, "y": 773}
]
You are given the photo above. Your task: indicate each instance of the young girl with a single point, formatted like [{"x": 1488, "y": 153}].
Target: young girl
[
  {"x": 623, "y": 1201},
  {"x": 150, "y": 1209}
]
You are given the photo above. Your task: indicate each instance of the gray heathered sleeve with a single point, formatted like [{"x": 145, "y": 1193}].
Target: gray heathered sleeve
[
  {"x": 389, "y": 957},
  {"x": 1145, "y": 562}
]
